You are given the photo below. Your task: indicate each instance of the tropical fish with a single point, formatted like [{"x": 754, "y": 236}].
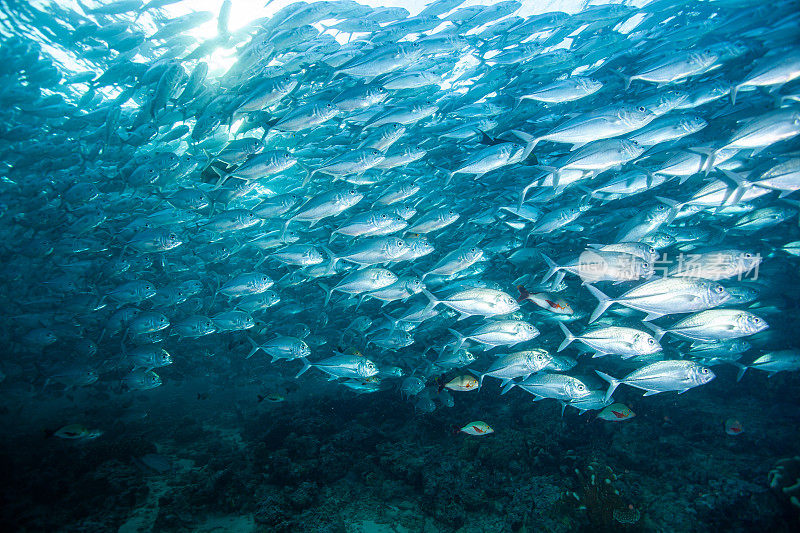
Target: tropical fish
[
  {"x": 477, "y": 428},
  {"x": 616, "y": 412}
]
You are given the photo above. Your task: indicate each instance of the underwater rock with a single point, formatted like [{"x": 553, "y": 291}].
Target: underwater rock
[
  {"x": 601, "y": 500},
  {"x": 784, "y": 479},
  {"x": 153, "y": 462}
]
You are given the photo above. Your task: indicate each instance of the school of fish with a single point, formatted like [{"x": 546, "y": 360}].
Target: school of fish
[{"x": 565, "y": 203}]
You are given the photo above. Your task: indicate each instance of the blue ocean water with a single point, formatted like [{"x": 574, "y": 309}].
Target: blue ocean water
[{"x": 451, "y": 266}]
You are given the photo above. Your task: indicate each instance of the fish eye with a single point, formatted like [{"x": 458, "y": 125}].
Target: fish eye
[
  {"x": 704, "y": 371},
  {"x": 352, "y": 191},
  {"x": 748, "y": 255},
  {"x": 641, "y": 109},
  {"x": 328, "y": 106},
  {"x": 581, "y": 387},
  {"x": 756, "y": 320},
  {"x": 383, "y": 216},
  {"x": 719, "y": 288},
  {"x": 645, "y": 265},
  {"x": 651, "y": 341}
]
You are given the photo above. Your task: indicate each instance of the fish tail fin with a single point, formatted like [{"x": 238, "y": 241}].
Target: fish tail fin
[
  {"x": 217, "y": 284},
  {"x": 459, "y": 339},
  {"x": 508, "y": 386},
  {"x": 740, "y": 187},
  {"x": 588, "y": 193},
  {"x": 552, "y": 267},
  {"x": 568, "y": 337},
  {"x": 603, "y": 303},
  {"x": 255, "y": 345},
  {"x": 524, "y": 193},
  {"x": 711, "y": 156},
  {"x": 392, "y": 320},
  {"x": 306, "y": 366},
  {"x": 361, "y": 298},
  {"x": 328, "y": 292},
  {"x": 223, "y": 177},
  {"x": 625, "y": 78},
  {"x": 658, "y": 332},
  {"x": 613, "y": 383},
  {"x": 530, "y": 142},
  {"x": 334, "y": 260},
  {"x": 432, "y": 301},
  {"x": 742, "y": 369},
  {"x": 308, "y": 177}
]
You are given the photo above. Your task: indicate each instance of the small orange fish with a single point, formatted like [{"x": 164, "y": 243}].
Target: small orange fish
[
  {"x": 733, "y": 427},
  {"x": 461, "y": 383}
]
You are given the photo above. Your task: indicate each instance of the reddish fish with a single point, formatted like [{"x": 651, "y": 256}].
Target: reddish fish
[
  {"x": 616, "y": 412},
  {"x": 477, "y": 428},
  {"x": 545, "y": 300},
  {"x": 733, "y": 427}
]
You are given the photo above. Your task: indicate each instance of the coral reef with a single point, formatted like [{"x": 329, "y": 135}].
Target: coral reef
[
  {"x": 598, "y": 496},
  {"x": 344, "y": 463}
]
